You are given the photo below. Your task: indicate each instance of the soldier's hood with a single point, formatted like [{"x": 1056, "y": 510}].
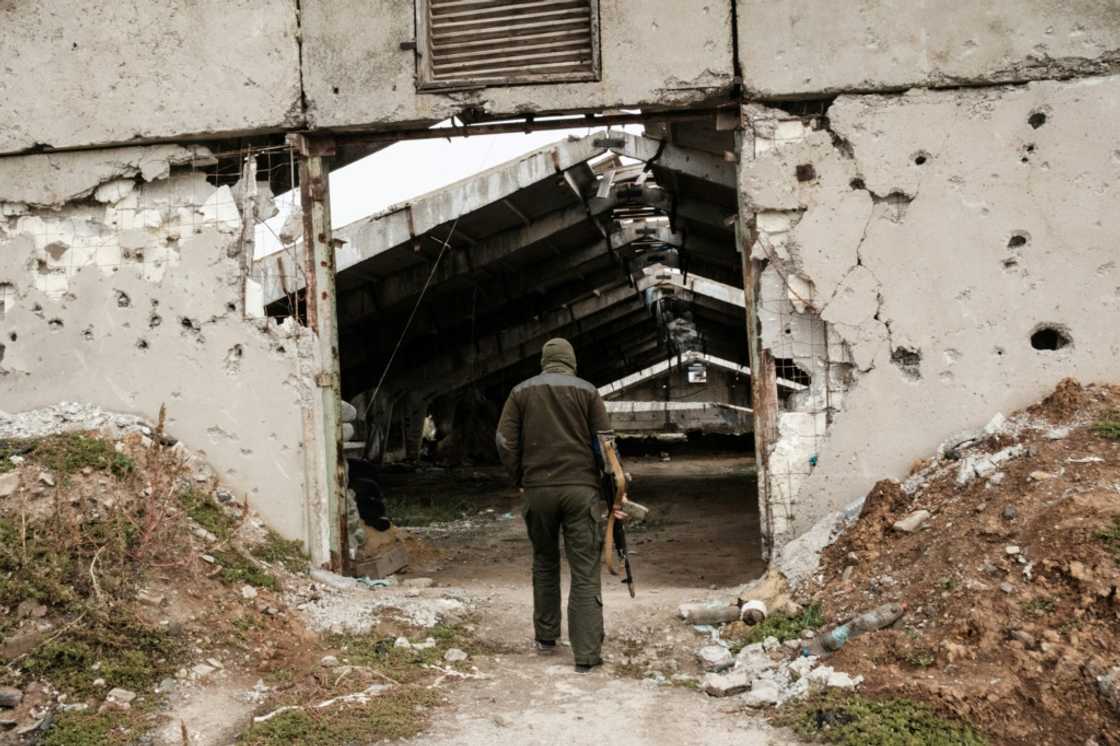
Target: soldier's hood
[{"x": 558, "y": 356}]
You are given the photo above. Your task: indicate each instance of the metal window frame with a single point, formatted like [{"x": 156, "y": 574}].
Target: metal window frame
[{"x": 424, "y": 82}]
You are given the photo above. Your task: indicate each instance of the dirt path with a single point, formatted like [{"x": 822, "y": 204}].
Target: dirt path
[{"x": 704, "y": 536}]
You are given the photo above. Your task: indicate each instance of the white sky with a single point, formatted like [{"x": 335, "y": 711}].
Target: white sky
[{"x": 406, "y": 170}]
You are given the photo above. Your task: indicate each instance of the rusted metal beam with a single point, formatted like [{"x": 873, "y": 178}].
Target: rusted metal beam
[{"x": 322, "y": 319}]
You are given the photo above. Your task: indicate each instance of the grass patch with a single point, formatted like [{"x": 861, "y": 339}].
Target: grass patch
[
  {"x": 1039, "y": 606},
  {"x": 126, "y": 653},
  {"x": 782, "y": 626},
  {"x": 917, "y": 657},
  {"x": 207, "y": 513},
  {"x": 68, "y": 453},
  {"x": 853, "y": 720},
  {"x": 424, "y": 511},
  {"x": 87, "y": 729},
  {"x": 278, "y": 550},
  {"x": 1111, "y": 537},
  {"x": 399, "y": 713},
  {"x": 237, "y": 569},
  {"x": 1109, "y": 427}
]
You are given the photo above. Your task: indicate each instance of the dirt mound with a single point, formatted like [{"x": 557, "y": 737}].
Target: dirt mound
[{"x": 1013, "y": 620}]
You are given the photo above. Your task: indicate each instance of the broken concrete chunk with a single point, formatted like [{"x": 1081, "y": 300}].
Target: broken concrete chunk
[
  {"x": 912, "y": 522},
  {"x": 455, "y": 655},
  {"x": 46, "y": 478},
  {"x": 150, "y": 598},
  {"x": 10, "y": 697},
  {"x": 202, "y": 669},
  {"x": 715, "y": 658},
  {"x": 708, "y": 613},
  {"x": 726, "y": 684},
  {"x": 1109, "y": 685},
  {"x": 9, "y": 483},
  {"x": 248, "y": 592},
  {"x": 763, "y": 693}
]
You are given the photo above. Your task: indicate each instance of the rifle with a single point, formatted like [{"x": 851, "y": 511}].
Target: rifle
[{"x": 615, "y": 486}]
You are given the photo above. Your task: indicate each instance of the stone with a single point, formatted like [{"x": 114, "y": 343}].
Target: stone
[
  {"x": 792, "y": 644},
  {"x": 770, "y": 643},
  {"x": 46, "y": 478},
  {"x": 763, "y": 693},
  {"x": 215, "y": 662},
  {"x": 1011, "y": 550},
  {"x": 726, "y": 684},
  {"x": 455, "y": 655},
  {"x": 715, "y": 658},
  {"x": 10, "y": 697},
  {"x": 1109, "y": 686},
  {"x": 997, "y": 478},
  {"x": 209, "y": 558},
  {"x": 329, "y": 661},
  {"x": 1042, "y": 476},
  {"x": 1007, "y": 587},
  {"x": 1010, "y": 513},
  {"x": 912, "y": 522},
  {"x": 120, "y": 697},
  {"x": 166, "y": 686},
  {"x": 1024, "y": 637},
  {"x": 841, "y": 680},
  {"x": 248, "y": 592},
  {"x": 402, "y": 642},
  {"x": 201, "y": 670},
  {"x": 1078, "y": 571},
  {"x": 418, "y": 583},
  {"x": 9, "y": 483}
]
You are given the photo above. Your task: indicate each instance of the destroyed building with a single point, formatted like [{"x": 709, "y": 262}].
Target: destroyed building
[{"x": 887, "y": 224}]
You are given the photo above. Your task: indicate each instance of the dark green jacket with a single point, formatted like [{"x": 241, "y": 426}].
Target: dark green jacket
[{"x": 549, "y": 425}]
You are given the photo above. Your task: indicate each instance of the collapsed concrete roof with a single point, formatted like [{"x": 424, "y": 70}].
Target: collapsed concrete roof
[{"x": 631, "y": 262}]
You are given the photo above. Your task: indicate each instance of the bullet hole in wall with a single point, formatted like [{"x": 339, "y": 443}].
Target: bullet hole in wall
[
  {"x": 154, "y": 320},
  {"x": 1018, "y": 239},
  {"x": 142, "y": 344},
  {"x": 1048, "y": 337},
  {"x": 920, "y": 158},
  {"x": 857, "y": 184},
  {"x": 806, "y": 172},
  {"x": 1037, "y": 119},
  {"x": 2, "y": 348},
  {"x": 123, "y": 300},
  {"x": 87, "y": 334},
  {"x": 189, "y": 325},
  {"x": 13, "y": 337},
  {"x": 999, "y": 351},
  {"x": 908, "y": 360},
  {"x": 55, "y": 324},
  {"x": 231, "y": 307}
]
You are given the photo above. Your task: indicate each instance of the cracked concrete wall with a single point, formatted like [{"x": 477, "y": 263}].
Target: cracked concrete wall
[
  {"x": 77, "y": 73},
  {"x": 808, "y": 47},
  {"x": 660, "y": 52},
  {"x": 120, "y": 287},
  {"x": 913, "y": 245}
]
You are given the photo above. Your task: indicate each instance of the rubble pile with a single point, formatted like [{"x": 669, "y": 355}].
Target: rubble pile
[
  {"x": 141, "y": 601},
  {"x": 1004, "y": 551}
]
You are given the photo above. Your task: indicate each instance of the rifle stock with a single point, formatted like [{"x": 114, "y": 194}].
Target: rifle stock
[{"x": 615, "y": 486}]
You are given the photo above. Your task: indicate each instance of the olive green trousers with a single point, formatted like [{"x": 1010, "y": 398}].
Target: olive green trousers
[{"x": 576, "y": 511}]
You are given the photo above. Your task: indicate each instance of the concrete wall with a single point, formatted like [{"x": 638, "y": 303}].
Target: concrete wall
[
  {"x": 809, "y": 47},
  {"x": 662, "y": 52},
  {"x": 77, "y": 73},
  {"x": 119, "y": 290},
  {"x": 938, "y": 230}
]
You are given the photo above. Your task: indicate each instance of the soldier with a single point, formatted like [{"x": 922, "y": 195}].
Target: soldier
[{"x": 547, "y": 439}]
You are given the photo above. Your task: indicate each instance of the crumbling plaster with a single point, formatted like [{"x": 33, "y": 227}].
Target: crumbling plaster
[
  {"x": 901, "y": 245},
  {"x": 660, "y": 52},
  {"x": 809, "y": 47},
  {"x": 76, "y": 73},
  {"x": 131, "y": 301}
]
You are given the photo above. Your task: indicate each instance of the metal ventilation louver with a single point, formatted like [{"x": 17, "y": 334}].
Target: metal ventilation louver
[{"x": 503, "y": 42}]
